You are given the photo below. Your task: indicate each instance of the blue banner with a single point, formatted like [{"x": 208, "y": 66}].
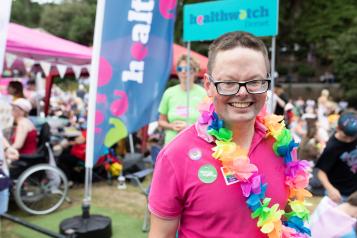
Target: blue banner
[
  {"x": 209, "y": 20},
  {"x": 135, "y": 62}
]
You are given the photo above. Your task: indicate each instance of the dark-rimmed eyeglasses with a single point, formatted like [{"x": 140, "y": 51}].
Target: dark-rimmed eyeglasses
[{"x": 230, "y": 88}]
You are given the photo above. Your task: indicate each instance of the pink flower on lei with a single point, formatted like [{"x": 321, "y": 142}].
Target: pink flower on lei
[{"x": 291, "y": 233}]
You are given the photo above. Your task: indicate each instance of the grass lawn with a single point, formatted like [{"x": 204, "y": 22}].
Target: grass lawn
[{"x": 125, "y": 208}]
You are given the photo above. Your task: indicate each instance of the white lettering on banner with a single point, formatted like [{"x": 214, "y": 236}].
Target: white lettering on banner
[
  {"x": 141, "y": 33},
  {"x": 139, "y": 6},
  {"x": 135, "y": 73},
  {"x": 141, "y": 13},
  {"x": 140, "y": 16}
]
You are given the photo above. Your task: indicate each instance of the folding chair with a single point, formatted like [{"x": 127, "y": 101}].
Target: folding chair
[{"x": 135, "y": 178}]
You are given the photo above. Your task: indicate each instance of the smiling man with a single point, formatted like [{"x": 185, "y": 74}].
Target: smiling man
[{"x": 213, "y": 177}]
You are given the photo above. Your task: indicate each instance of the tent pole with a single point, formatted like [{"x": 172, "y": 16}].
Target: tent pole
[
  {"x": 131, "y": 144},
  {"x": 49, "y": 83}
]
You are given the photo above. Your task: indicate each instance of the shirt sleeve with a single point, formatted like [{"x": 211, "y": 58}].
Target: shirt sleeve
[
  {"x": 164, "y": 104},
  {"x": 327, "y": 159},
  {"x": 164, "y": 197}
]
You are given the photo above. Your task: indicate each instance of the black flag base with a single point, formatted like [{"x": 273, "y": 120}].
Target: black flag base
[{"x": 87, "y": 226}]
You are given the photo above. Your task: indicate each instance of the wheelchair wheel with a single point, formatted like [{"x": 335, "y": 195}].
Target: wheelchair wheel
[{"x": 41, "y": 189}]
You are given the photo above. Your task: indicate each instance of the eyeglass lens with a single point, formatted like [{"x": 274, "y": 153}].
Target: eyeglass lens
[{"x": 231, "y": 88}]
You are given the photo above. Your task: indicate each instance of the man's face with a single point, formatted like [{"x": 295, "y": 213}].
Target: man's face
[{"x": 240, "y": 65}]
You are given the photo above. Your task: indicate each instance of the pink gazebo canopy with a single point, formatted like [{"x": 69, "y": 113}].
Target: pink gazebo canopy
[
  {"x": 39, "y": 45},
  {"x": 42, "y": 46}
]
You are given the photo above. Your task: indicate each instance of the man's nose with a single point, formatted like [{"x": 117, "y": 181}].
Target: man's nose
[{"x": 242, "y": 91}]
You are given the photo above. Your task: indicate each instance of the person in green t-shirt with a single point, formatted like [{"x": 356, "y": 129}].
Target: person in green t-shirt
[{"x": 173, "y": 106}]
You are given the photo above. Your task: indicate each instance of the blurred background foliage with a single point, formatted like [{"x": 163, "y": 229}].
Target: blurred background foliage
[{"x": 315, "y": 36}]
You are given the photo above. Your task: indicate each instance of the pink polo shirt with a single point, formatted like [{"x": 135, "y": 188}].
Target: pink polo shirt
[{"x": 211, "y": 210}]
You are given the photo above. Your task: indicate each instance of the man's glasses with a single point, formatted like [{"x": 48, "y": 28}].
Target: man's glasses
[
  {"x": 183, "y": 69},
  {"x": 230, "y": 88}
]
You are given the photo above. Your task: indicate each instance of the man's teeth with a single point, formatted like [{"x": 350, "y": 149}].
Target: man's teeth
[{"x": 240, "y": 104}]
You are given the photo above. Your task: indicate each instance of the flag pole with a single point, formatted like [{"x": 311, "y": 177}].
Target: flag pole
[
  {"x": 88, "y": 225},
  {"x": 94, "y": 72}
]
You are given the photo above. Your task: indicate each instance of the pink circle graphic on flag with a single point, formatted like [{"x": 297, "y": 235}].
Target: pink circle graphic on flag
[
  {"x": 99, "y": 117},
  {"x": 119, "y": 106},
  {"x": 101, "y": 98},
  {"x": 199, "y": 20},
  {"x": 105, "y": 72},
  {"x": 138, "y": 51},
  {"x": 167, "y": 8}
]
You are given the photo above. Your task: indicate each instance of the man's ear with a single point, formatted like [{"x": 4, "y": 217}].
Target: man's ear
[{"x": 208, "y": 86}]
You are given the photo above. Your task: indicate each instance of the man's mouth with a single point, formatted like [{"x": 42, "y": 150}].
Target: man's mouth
[{"x": 240, "y": 104}]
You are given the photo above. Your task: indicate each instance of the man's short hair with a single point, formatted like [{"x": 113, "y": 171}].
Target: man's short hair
[{"x": 232, "y": 40}]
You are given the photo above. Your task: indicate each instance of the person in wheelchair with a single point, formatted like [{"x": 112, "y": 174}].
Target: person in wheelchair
[
  {"x": 4, "y": 173},
  {"x": 23, "y": 139}
]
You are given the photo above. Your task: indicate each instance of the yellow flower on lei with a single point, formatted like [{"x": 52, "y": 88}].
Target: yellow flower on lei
[
  {"x": 227, "y": 151},
  {"x": 271, "y": 224},
  {"x": 275, "y": 124},
  {"x": 300, "y": 194}
]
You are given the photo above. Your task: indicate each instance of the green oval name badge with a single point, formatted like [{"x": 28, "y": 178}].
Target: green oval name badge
[{"x": 207, "y": 173}]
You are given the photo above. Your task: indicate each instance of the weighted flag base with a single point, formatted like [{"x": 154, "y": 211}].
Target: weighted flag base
[{"x": 87, "y": 226}]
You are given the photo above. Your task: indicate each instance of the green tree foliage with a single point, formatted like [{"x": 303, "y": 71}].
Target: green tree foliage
[
  {"x": 73, "y": 20},
  {"x": 343, "y": 51},
  {"x": 314, "y": 22},
  {"x": 326, "y": 29},
  {"x": 201, "y": 47},
  {"x": 24, "y": 12}
]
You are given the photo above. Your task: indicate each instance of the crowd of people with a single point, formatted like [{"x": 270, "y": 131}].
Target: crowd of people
[
  {"x": 195, "y": 193},
  {"x": 19, "y": 139}
]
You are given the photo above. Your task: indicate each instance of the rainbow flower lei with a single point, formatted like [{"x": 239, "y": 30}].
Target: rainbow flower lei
[{"x": 271, "y": 220}]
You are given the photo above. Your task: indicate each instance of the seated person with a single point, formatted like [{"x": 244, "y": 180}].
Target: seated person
[
  {"x": 24, "y": 136},
  {"x": 331, "y": 220},
  {"x": 9, "y": 153},
  {"x": 73, "y": 156}
]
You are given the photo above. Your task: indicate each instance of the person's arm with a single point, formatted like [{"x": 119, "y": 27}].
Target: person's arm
[
  {"x": 332, "y": 192},
  {"x": 175, "y": 125},
  {"x": 6, "y": 144},
  {"x": 161, "y": 228},
  {"x": 279, "y": 101},
  {"x": 164, "y": 123},
  {"x": 10, "y": 152}
]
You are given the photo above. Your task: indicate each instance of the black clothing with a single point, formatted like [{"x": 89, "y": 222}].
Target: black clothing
[
  {"x": 278, "y": 109},
  {"x": 338, "y": 161}
]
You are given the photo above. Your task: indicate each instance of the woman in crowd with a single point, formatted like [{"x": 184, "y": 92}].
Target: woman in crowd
[
  {"x": 16, "y": 90},
  {"x": 174, "y": 114},
  {"x": 24, "y": 136}
]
